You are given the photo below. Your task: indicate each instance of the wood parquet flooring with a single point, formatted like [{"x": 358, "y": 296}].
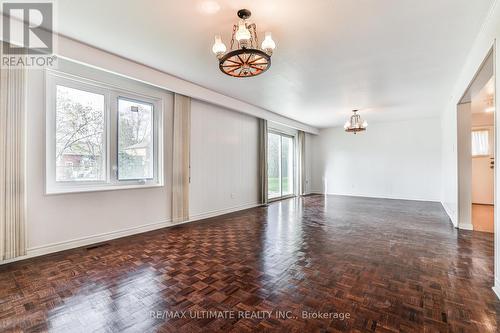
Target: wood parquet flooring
[{"x": 393, "y": 265}]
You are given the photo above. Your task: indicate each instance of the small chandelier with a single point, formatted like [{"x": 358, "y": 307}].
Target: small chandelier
[
  {"x": 490, "y": 105},
  {"x": 356, "y": 124},
  {"x": 245, "y": 58}
]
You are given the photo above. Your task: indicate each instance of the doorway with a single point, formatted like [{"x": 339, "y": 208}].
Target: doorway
[
  {"x": 280, "y": 165},
  {"x": 476, "y": 151},
  {"x": 483, "y": 157}
]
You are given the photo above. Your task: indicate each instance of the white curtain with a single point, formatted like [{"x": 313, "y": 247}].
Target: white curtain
[
  {"x": 181, "y": 158},
  {"x": 301, "y": 148},
  {"x": 12, "y": 163},
  {"x": 263, "y": 161},
  {"x": 480, "y": 146}
]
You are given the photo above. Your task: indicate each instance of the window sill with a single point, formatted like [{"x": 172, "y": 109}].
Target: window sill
[{"x": 98, "y": 188}]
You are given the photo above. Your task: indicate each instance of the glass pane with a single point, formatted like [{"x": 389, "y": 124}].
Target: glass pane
[
  {"x": 135, "y": 140},
  {"x": 286, "y": 165},
  {"x": 274, "y": 165},
  {"x": 80, "y": 147}
]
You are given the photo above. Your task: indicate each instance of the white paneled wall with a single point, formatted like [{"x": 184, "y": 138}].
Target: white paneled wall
[
  {"x": 400, "y": 160},
  {"x": 224, "y": 160}
]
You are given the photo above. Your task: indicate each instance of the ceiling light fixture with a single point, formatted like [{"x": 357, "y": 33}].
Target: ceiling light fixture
[
  {"x": 490, "y": 105},
  {"x": 244, "y": 58},
  {"x": 355, "y": 124}
]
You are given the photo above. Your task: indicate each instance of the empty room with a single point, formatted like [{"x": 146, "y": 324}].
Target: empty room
[{"x": 249, "y": 166}]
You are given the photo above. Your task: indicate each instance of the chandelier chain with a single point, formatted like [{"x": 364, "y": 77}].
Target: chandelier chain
[{"x": 235, "y": 27}]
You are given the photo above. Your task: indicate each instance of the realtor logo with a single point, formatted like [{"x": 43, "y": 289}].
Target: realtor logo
[{"x": 27, "y": 28}]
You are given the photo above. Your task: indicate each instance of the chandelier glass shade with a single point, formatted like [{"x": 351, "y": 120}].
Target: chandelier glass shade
[
  {"x": 355, "y": 124},
  {"x": 244, "y": 58}
]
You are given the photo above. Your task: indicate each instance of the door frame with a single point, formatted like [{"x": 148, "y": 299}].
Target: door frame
[{"x": 464, "y": 179}]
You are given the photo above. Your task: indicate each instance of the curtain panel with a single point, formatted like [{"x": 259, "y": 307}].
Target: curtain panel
[
  {"x": 12, "y": 162},
  {"x": 301, "y": 149},
  {"x": 263, "y": 161},
  {"x": 181, "y": 158}
]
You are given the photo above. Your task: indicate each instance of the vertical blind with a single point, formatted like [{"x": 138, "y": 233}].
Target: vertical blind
[{"x": 12, "y": 162}]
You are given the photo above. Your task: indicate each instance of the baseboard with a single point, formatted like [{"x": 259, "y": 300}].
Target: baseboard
[
  {"x": 450, "y": 214},
  {"x": 379, "y": 197},
  {"x": 88, "y": 240},
  {"x": 496, "y": 288},
  {"x": 467, "y": 226},
  {"x": 219, "y": 212}
]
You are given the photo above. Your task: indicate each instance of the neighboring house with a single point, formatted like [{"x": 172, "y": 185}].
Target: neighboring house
[{"x": 77, "y": 164}]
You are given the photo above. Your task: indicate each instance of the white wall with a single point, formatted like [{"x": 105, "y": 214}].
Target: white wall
[
  {"x": 56, "y": 222},
  {"x": 224, "y": 174},
  {"x": 224, "y": 161},
  {"x": 72, "y": 49},
  {"x": 390, "y": 160},
  {"x": 484, "y": 42}
]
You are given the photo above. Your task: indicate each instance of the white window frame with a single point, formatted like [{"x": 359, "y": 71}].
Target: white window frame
[{"x": 111, "y": 94}]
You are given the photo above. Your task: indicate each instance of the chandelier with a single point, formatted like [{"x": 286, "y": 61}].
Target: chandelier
[
  {"x": 356, "y": 124},
  {"x": 244, "y": 58}
]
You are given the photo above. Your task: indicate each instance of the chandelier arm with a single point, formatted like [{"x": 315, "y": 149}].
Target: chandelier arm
[
  {"x": 242, "y": 62},
  {"x": 234, "y": 62},
  {"x": 256, "y": 59},
  {"x": 257, "y": 68},
  {"x": 253, "y": 28},
  {"x": 235, "y": 27},
  {"x": 232, "y": 70}
]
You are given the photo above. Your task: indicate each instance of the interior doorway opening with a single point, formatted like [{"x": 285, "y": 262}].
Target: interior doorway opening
[{"x": 476, "y": 151}]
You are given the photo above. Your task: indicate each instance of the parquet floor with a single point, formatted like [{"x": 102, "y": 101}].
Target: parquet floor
[{"x": 365, "y": 265}]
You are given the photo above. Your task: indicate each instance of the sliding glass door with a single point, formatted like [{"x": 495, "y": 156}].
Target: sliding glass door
[{"x": 280, "y": 165}]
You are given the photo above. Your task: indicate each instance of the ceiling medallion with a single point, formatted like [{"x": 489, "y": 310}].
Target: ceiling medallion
[
  {"x": 244, "y": 58},
  {"x": 356, "y": 124}
]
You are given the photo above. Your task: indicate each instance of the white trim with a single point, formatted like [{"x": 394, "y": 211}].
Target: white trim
[
  {"x": 449, "y": 213},
  {"x": 112, "y": 94},
  {"x": 85, "y": 54},
  {"x": 376, "y": 197},
  {"x": 466, "y": 226},
  {"x": 496, "y": 288},
  {"x": 89, "y": 240},
  {"x": 101, "y": 188},
  {"x": 219, "y": 212}
]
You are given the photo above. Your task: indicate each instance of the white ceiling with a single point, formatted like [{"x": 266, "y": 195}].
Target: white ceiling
[
  {"x": 483, "y": 98},
  {"x": 393, "y": 59}
]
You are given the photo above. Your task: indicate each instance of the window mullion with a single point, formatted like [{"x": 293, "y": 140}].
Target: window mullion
[{"x": 113, "y": 138}]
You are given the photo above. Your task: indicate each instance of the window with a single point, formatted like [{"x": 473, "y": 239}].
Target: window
[
  {"x": 135, "y": 140},
  {"x": 480, "y": 144},
  {"x": 80, "y": 141},
  {"x": 100, "y": 137},
  {"x": 280, "y": 165}
]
